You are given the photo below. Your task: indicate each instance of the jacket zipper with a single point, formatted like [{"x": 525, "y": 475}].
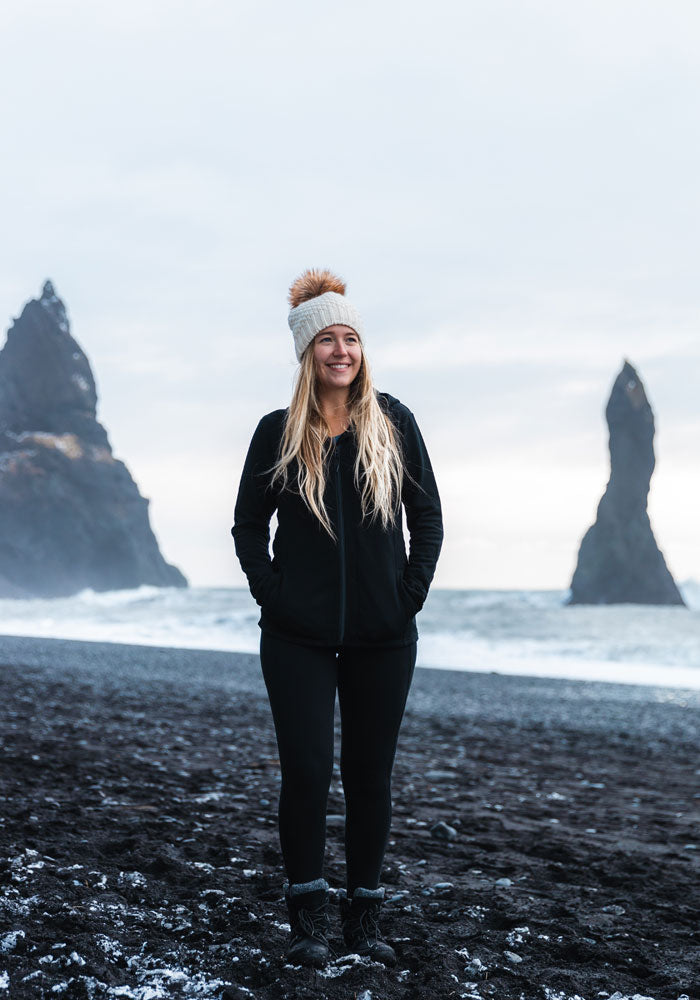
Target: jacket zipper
[{"x": 341, "y": 552}]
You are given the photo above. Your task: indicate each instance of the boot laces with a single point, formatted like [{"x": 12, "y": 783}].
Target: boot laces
[
  {"x": 313, "y": 922},
  {"x": 369, "y": 922},
  {"x": 366, "y": 924}
]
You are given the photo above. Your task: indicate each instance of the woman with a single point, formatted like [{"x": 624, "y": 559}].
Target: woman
[{"x": 338, "y": 603}]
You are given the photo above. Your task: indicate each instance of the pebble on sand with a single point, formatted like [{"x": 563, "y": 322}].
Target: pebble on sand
[{"x": 443, "y": 831}]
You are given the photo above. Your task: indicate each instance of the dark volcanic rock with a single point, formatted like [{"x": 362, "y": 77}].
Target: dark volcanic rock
[
  {"x": 71, "y": 516},
  {"x": 619, "y": 561}
]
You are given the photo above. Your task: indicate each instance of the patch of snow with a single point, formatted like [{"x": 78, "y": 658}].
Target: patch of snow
[
  {"x": 554, "y": 995},
  {"x": 17, "y": 907},
  {"x": 517, "y": 935},
  {"x": 32, "y": 975},
  {"x": 559, "y": 995},
  {"x": 476, "y": 965},
  {"x": 8, "y": 942},
  {"x": 131, "y": 878},
  {"x": 23, "y": 859},
  {"x": 341, "y": 965},
  {"x": 637, "y": 996},
  {"x": 61, "y": 987},
  {"x": 108, "y": 945}
]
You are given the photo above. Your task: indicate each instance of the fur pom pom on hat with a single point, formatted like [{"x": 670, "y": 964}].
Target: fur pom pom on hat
[{"x": 317, "y": 298}]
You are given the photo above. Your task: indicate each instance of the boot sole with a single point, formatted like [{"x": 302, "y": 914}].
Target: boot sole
[
  {"x": 316, "y": 962},
  {"x": 389, "y": 962}
]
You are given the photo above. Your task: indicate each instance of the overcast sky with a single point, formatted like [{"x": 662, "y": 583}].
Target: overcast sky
[{"x": 510, "y": 190}]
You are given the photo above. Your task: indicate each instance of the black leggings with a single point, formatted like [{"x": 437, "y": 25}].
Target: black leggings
[{"x": 372, "y": 686}]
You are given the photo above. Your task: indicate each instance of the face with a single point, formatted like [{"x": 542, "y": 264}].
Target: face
[{"x": 337, "y": 355}]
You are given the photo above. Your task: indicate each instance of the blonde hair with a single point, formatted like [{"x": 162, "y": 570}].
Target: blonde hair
[{"x": 379, "y": 466}]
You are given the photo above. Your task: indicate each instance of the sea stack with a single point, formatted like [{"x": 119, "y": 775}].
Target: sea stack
[
  {"x": 71, "y": 516},
  {"x": 619, "y": 561}
]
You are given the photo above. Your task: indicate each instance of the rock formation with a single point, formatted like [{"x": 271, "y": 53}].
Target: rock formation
[
  {"x": 71, "y": 516},
  {"x": 619, "y": 561}
]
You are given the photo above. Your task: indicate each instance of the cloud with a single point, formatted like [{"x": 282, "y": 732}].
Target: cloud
[{"x": 509, "y": 189}]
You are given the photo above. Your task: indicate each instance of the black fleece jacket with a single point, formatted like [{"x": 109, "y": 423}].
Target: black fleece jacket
[{"x": 361, "y": 590}]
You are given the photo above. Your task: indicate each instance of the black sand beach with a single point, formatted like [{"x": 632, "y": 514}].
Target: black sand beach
[{"x": 139, "y": 854}]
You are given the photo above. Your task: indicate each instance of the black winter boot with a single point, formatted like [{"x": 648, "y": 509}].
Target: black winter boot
[
  {"x": 360, "y": 923},
  {"x": 307, "y": 904}
]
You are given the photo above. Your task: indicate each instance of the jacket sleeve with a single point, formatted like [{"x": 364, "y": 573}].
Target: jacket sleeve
[
  {"x": 423, "y": 512},
  {"x": 255, "y": 504}
]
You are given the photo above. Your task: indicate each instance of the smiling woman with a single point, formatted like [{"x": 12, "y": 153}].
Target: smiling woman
[
  {"x": 339, "y": 598},
  {"x": 338, "y": 356}
]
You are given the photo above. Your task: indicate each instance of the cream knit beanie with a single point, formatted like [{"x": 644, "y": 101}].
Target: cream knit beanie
[{"x": 318, "y": 300}]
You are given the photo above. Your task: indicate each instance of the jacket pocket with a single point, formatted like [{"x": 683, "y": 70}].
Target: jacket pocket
[
  {"x": 409, "y": 599},
  {"x": 382, "y": 612},
  {"x": 302, "y": 606},
  {"x": 405, "y": 598},
  {"x": 269, "y": 592}
]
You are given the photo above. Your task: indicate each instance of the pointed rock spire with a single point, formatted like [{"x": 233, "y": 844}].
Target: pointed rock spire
[
  {"x": 71, "y": 516},
  {"x": 619, "y": 561}
]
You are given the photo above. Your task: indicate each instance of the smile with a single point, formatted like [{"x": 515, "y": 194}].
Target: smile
[{"x": 339, "y": 366}]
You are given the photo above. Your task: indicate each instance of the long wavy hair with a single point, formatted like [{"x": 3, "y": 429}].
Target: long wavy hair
[{"x": 379, "y": 465}]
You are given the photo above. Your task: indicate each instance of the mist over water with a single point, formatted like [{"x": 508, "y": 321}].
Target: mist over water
[{"x": 527, "y": 632}]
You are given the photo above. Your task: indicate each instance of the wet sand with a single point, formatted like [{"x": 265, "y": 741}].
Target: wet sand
[{"x": 545, "y": 841}]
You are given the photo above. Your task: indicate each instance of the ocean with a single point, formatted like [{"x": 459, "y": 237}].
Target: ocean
[{"x": 527, "y": 632}]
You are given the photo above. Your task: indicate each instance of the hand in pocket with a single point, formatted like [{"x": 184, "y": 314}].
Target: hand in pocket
[{"x": 409, "y": 599}]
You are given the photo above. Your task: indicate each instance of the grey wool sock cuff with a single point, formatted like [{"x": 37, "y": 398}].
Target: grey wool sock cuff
[
  {"x": 361, "y": 893},
  {"x": 301, "y": 887}
]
